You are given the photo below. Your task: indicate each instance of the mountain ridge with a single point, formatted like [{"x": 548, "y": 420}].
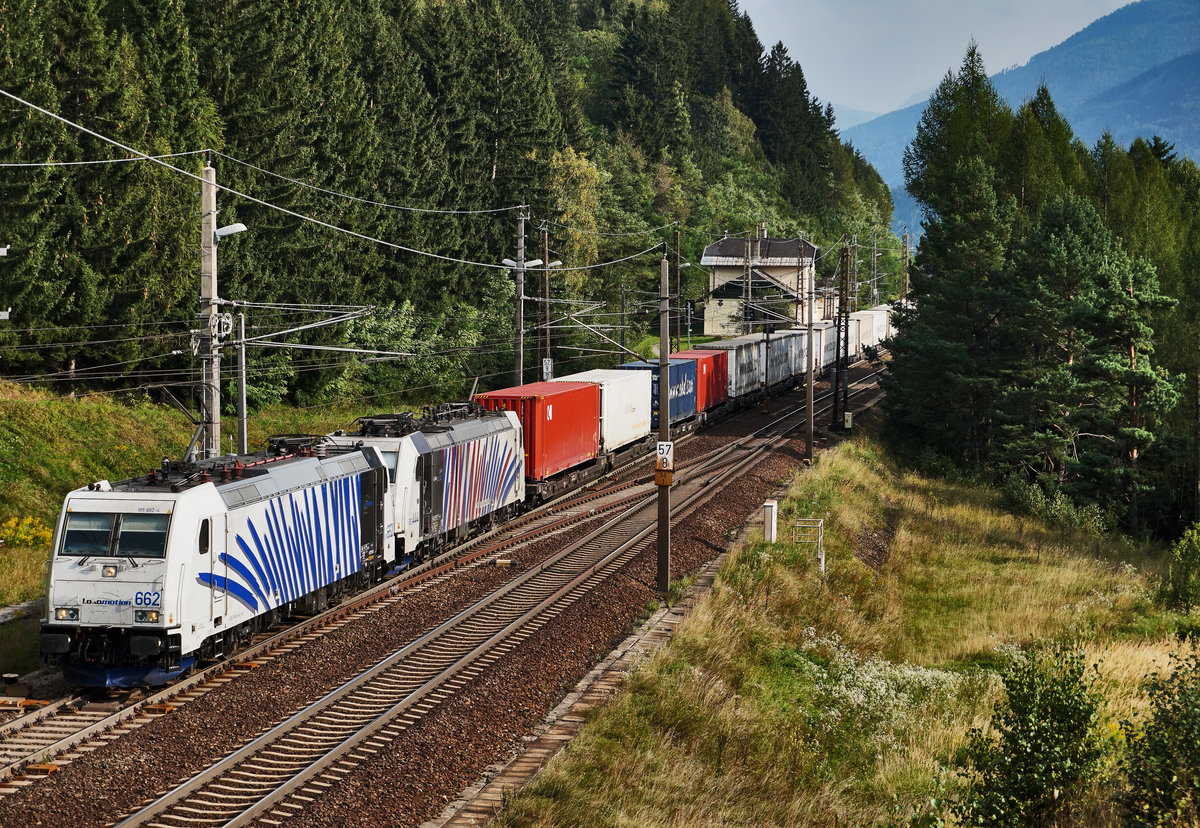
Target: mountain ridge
[{"x": 1132, "y": 72}]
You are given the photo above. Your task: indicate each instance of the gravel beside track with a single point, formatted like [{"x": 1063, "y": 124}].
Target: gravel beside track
[{"x": 451, "y": 748}]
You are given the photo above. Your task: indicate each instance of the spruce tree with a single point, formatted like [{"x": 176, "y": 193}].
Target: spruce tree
[
  {"x": 946, "y": 358},
  {"x": 965, "y": 116},
  {"x": 32, "y": 276}
]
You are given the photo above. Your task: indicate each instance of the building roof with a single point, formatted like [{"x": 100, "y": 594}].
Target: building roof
[{"x": 771, "y": 252}]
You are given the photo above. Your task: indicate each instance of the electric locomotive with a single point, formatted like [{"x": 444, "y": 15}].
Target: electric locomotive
[{"x": 150, "y": 574}]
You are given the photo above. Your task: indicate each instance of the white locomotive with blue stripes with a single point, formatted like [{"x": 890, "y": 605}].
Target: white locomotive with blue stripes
[{"x": 152, "y": 574}]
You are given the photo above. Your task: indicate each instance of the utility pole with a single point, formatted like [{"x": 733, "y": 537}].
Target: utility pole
[
  {"x": 844, "y": 313},
  {"x": 243, "y": 441},
  {"x": 852, "y": 288},
  {"x": 546, "y": 284},
  {"x": 811, "y": 284},
  {"x": 842, "y": 335},
  {"x": 678, "y": 294},
  {"x": 519, "y": 302},
  {"x": 874, "y": 268},
  {"x": 210, "y": 350},
  {"x": 663, "y": 476},
  {"x": 746, "y": 288},
  {"x": 623, "y": 314}
]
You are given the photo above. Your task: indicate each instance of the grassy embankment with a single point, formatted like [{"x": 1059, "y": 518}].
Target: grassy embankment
[
  {"x": 50, "y": 445},
  {"x": 791, "y": 700}
]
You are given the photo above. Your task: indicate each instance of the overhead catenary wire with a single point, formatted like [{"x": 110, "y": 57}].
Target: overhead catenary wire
[
  {"x": 293, "y": 213},
  {"x": 98, "y": 161},
  {"x": 631, "y": 233},
  {"x": 383, "y": 204}
]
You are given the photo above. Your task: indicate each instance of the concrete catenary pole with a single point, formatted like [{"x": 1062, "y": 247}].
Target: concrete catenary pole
[
  {"x": 243, "y": 441},
  {"x": 519, "y": 304},
  {"x": 810, "y": 280},
  {"x": 546, "y": 286},
  {"x": 210, "y": 351},
  {"x": 664, "y": 425}
]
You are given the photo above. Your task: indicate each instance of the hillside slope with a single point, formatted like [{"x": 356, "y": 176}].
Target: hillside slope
[
  {"x": 1111, "y": 51},
  {"x": 1162, "y": 101}
]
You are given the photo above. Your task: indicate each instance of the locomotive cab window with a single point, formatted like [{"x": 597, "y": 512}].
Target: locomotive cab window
[
  {"x": 142, "y": 536},
  {"x": 390, "y": 458},
  {"x": 203, "y": 542},
  {"x": 88, "y": 534}
]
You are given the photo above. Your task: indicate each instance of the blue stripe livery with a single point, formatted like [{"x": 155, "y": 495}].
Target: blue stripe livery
[{"x": 292, "y": 545}]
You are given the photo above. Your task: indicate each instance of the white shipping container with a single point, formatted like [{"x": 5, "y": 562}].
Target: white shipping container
[
  {"x": 872, "y": 327},
  {"x": 780, "y": 356},
  {"x": 798, "y": 340},
  {"x": 888, "y": 328},
  {"x": 743, "y": 364},
  {"x": 828, "y": 347},
  {"x": 624, "y": 404}
]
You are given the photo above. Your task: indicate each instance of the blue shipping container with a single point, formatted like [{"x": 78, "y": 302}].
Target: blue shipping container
[{"x": 681, "y": 376}]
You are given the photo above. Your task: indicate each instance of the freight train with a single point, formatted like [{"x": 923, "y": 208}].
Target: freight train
[{"x": 152, "y": 575}]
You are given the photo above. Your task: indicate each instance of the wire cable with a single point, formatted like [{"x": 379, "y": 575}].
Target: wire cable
[
  {"x": 106, "y": 161},
  {"x": 259, "y": 201},
  {"x": 366, "y": 201}
]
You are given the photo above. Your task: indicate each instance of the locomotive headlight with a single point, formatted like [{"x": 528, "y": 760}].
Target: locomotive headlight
[
  {"x": 109, "y": 571},
  {"x": 145, "y": 616},
  {"x": 66, "y": 614}
]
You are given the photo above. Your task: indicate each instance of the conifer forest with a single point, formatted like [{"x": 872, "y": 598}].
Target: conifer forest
[{"x": 379, "y": 154}]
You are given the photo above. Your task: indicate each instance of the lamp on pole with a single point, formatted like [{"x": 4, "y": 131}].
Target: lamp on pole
[
  {"x": 518, "y": 268},
  {"x": 213, "y": 325}
]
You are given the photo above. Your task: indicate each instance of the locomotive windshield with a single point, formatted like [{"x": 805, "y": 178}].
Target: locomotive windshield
[{"x": 88, "y": 534}]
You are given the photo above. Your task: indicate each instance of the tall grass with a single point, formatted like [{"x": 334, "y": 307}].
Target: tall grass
[{"x": 792, "y": 699}]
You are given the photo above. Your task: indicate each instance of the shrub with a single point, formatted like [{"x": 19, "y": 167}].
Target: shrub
[
  {"x": 1045, "y": 745},
  {"x": 1183, "y": 581},
  {"x": 1056, "y": 508},
  {"x": 29, "y": 532},
  {"x": 1162, "y": 764}
]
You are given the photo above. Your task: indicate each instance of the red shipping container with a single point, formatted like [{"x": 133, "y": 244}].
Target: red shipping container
[
  {"x": 560, "y": 421},
  {"x": 712, "y": 376}
]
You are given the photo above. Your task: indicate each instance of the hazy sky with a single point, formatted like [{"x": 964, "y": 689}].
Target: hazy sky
[{"x": 875, "y": 54}]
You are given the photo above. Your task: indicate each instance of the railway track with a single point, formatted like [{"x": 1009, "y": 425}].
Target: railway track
[
  {"x": 43, "y": 739},
  {"x": 275, "y": 777},
  {"x": 88, "y": 734}
]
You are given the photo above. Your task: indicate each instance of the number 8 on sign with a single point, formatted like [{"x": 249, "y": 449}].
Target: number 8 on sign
[{"x": 665, "y": 460}]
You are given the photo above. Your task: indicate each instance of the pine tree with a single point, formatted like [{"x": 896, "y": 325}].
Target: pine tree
[
  {"x": 1131, "y": 392},
  {"x": 947, "y": 356},
  {"x": 1045, "y": 396}
]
